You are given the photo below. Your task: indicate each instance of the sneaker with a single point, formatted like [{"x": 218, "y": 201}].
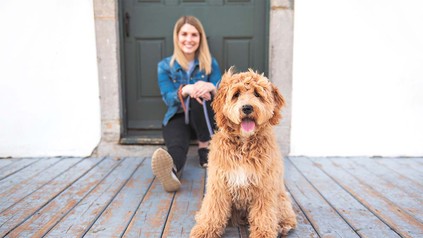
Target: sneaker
[
  {"x": 164, "y": 170},
  {"x": 203, "y": 153}
]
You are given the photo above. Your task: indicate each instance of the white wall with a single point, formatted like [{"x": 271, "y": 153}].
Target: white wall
[
  {"x": 358, "y": 78},
  {"x": 49, "y": 97}
]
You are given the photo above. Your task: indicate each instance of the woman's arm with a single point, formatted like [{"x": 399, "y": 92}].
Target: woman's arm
[
  {"x": 215, "y": 75},
  {"x": 168, "y": 90}
]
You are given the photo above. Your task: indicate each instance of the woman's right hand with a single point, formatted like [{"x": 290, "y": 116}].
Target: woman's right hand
[
  {"x": 187, "y": 90},
  {"x": 200, "y": 90}
]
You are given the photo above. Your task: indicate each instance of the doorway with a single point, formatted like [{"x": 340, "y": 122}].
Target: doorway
[{"x": 237, "y": 33}]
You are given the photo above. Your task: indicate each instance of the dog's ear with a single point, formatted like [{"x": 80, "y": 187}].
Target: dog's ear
[
  {"x": 219, "y": 99},
  {"x": 279, "y": 103}
]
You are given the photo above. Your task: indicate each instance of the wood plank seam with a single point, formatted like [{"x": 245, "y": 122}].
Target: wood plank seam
[
  {"x": 357, "y": 215},
  {"x": 76, "y": 222},
  {"x": 116, "y": 219},
  {"x": 136, "y": 209},
  {"x": 383, "y": 197},
  {"x": 51, "y": 199},
  {"x": 7, "y": 161},
  {"x": 168, "y": 213},
  {"x": 387, "y": 166},
  {"x": 29, "y": 194},
  {"x": 14, "y": 172},
  {"x": 365, "y": 205},
  {"x": 301, "y": 207},
  {"x": 7, "y": 184},
  {"x": 302, "y": 210},
  {"x": 186, "y": 201},
  {"x": 82, "y": 199},
  {"x": 327, "y": 201},
  {"x": 398, "y": 194},
  {"x": 113, "y": 197},
  {"x": 20, "y": 210},
  {"x": 325, "y": 219}
]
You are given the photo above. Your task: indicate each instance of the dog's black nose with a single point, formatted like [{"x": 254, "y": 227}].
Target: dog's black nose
[{"x": 247, "y": 109}]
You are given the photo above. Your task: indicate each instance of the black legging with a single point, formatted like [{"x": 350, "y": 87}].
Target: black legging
[{"x": 177, "y": 134}]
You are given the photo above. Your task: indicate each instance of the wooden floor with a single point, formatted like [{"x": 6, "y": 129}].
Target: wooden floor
[{"x": 119, "y": 197}]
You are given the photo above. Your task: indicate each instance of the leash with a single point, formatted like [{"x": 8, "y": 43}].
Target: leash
[{"x": 206, "y": 114}]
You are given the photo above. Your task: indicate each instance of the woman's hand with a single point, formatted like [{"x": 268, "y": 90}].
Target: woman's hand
[
  {"x": 187, "y": 90},
  {"x": 200, "y": 90}
]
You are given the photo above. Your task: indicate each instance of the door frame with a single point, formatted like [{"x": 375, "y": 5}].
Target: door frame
[{"x": 110, "y": 74}]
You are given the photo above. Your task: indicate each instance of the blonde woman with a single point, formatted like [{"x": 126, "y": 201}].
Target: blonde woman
[{"x": 187, "y": 82}]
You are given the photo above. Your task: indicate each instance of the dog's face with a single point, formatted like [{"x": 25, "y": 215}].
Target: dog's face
[{"x": 245, "y": 102}]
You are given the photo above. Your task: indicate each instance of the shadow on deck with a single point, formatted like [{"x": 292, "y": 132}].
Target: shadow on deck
[{"x": 112, "y": 197}]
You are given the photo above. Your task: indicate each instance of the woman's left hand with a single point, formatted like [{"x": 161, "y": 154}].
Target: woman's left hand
[{"x": 204, "y": 90}]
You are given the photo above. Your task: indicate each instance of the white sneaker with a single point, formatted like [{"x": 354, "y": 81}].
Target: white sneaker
[{"x": 163, "y": 168}]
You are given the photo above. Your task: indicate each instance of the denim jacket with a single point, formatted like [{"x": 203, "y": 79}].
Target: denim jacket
[{"x": 170, "y": 78}]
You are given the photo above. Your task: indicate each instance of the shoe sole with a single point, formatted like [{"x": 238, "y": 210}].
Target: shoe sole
[{"x": 162, "y": 165}]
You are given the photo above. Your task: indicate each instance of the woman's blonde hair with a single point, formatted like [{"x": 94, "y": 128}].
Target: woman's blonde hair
[{"x": 203, "y": 52}]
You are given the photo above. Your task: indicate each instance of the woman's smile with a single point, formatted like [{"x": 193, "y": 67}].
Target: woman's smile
[{"x": 189, "y": 40}]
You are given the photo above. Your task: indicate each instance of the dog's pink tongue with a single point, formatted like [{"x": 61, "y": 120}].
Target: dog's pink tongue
[{"x": 248, "y": 125}]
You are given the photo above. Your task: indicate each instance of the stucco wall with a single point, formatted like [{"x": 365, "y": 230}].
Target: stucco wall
[
  {"x": 358, "y": 78},
  {"x": 356, "y": 87},
  {"x": 49, "y": 96}
]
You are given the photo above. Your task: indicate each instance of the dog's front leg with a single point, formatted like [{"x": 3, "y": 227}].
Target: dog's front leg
[
  {"x": 263, "y": 216},
  {"x": 287, "y": 220},
  {"x": 215, "y": 211}
]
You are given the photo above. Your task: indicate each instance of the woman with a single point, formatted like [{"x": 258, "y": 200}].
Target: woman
[{"x": 187, "y": 82}]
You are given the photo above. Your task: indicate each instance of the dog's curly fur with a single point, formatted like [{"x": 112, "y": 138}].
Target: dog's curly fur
[{"x": 245, "y": 173}]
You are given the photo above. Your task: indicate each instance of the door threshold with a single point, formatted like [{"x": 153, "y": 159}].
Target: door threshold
[{"x": 139, "y": 140}]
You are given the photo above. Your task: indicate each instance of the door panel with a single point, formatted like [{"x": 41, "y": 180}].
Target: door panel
[{"x": 236, "y": 32}]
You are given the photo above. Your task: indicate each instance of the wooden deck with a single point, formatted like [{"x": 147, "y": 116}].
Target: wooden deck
[{"x": 113, "y": 197}]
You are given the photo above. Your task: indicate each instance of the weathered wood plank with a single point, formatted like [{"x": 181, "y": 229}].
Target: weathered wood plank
[
  {"x": 7, "y": 161},
  {"x": 324, "y": 218},
  {"x": 412, "y": 188},
  {"x": 92, "y": 205},
  {"x": 48, "y": 216},
  {"x": 187, "y": 201},
  {"x": 304, "y": 228},
  {"x": 331, "y": 197},
  {"x": 25, "y": 175},
  {"x": 28, "y": 181},
  {"x": 115, "y": 219},
  {"x": 400, "y": 195},
  {"x": 413, "y": 163},
  {"x": 19, "y": 212},
  {"x": 388, "y": 212},
  {"x": 12, "y": 168},
  {"x": 359, "y": 217},
  {"x": 399, "y": 166},
  {"x": 150, "y": 218}
]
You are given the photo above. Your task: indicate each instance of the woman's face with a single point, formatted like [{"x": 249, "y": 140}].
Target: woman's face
[{"x": 188, "y": 40}]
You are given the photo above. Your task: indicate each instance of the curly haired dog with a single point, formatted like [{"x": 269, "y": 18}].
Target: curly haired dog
[{"x": 245, "y": 172}]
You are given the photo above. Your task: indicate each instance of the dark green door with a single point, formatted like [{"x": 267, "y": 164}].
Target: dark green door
[{"x": 237, "y": 32}]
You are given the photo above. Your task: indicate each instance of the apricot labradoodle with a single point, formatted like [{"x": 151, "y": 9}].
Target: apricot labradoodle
[{"x": 245, "y": 174}]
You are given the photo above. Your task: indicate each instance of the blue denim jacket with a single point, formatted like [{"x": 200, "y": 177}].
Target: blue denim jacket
[{"x": 170, "y": 78}]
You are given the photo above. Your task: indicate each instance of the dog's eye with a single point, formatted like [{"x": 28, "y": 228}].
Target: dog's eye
[
  {"x": 236, "y": 95},
  {"x": 256, "y": 94}
]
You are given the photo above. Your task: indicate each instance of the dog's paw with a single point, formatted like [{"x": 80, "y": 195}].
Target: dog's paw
[
  {"x": 262, "y": 234},
  {"x": 287, "y": 225},
  {"x": 285, "y": 230},
  {"x": 203, "y": 232}
]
